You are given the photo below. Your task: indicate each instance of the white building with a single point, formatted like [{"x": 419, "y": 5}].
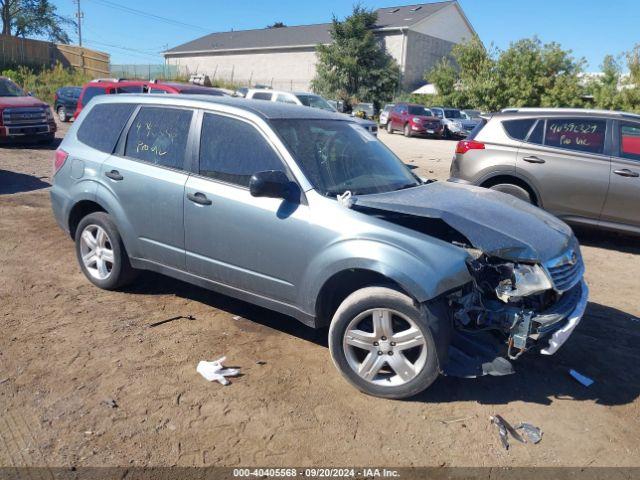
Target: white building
[{"x": 417, "y": 36}]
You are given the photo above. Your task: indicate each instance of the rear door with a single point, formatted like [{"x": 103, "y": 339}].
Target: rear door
[
  {"x": 623, "y": 199},
  {"x": 565, "y": 159},
  {"x": 147, "y": 176}
]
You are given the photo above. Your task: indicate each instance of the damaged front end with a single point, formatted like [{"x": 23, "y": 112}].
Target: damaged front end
[
  {"x": 521, "y": 303},
  {"x": 522, "y": 295}
]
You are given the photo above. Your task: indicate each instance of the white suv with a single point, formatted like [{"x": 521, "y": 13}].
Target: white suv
[{"x": 306, "y": 99}]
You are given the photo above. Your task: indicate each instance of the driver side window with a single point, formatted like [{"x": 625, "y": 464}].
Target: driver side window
[{"x": 232, "y": 150}]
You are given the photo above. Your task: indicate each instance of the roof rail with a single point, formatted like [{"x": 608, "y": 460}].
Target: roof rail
[
  {"x": 569, "y": 110},
  {"x": 98, "y": 80}
]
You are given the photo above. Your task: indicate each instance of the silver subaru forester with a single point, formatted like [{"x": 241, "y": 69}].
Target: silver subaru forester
[{"x": 304, "y": 212}]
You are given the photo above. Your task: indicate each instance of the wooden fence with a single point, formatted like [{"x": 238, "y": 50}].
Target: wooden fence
[{"x": 35, "y": 53}]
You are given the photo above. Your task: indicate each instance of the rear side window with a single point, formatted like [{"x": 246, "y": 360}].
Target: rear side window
[
  {"x": 476, "y": 130},
  {"x": 262, "y": 96},
  {"x": 518, "y": 129},
  {"x": 102, "y": 126},
  {"x": 579, "y": 134},
  {"x": 232, "y": 150},
  {"x": 630, "y": 141},
  {"x": 159, "y": 136},
  {"x": 91, "y": 92}
]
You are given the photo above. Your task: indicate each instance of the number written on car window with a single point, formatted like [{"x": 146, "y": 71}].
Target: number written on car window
[{"x": 579, "y": 134}]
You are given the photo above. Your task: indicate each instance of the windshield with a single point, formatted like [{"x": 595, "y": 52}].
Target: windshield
[
  {"x": 10, "y": 89},
  {"x": 338, "y": 156},
  {"x": 452, "y": 114},
  {"x": 364, "y": 107},
  {"x": 315, "y": 101},
  {"x": 417, "y": 110}
]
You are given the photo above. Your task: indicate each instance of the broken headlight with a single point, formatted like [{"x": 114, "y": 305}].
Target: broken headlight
[{"x": 526, "y": 280}]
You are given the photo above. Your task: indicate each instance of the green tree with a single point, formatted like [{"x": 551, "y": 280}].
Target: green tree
[
  {"x": 630, "y": 91},
  {"x": 355, "y": 67},
  {"x": 605, "y": 89},
  {"x": 527, "y": 74},
  {"x": 22, "y": 18}
]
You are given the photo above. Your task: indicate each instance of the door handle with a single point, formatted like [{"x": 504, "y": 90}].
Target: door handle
[
  {"x": 199, "y": 198},
  {"x": 533, "y": 159},
  {"x": 625, "y": 172},
  {"x": 114, "y": 175}
]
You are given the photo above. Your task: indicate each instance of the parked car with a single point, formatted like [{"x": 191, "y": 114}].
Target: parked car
[
  {"x": 111, "y": 86},
  {"x": 297, "y": 210},
  {"x": 66, "y": 102},
  {"x": 384, "y": 115},
  {"x": 474, "y": 115},
  {"x": 413, "y": 119},
  {"x": 453, "y": 123},
  {"x": 308, "y": 100},
  {"x": 581, "y": 165},
  {"x": 24, "y": 117},
  {"x": 363, "y": 110}
]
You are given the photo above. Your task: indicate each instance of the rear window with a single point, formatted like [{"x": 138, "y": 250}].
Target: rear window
[
  {"x": 101, "y": 128},
  {"x": 579, "y": 134},
  {"x": 159, "y": 136},
  {"x": 262, "y": 96},
  {"x": 518, "y": 129},
  {"x": 91, "y": 92}
]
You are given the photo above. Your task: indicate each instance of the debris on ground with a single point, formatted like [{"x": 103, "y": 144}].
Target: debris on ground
[
  {"x": 532, "y": 434},
  {"x": 261, "y": 362},
  {"x": 161, "y": 322},
  {"x": 110, "y": 402},
  {"x": 583, "y": 379},
  {"x": 455, "y": 420},
  {"x": 215, "y": 371},
  {"x": 4, "y": 380}
]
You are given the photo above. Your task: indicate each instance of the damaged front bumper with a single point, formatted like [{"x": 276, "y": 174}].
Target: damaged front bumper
[{"x": 560, "y": 336}]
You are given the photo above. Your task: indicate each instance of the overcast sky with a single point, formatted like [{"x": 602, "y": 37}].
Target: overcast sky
[{"x": 591, "y": 28}]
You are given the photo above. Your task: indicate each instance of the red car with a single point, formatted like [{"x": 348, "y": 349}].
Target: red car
[
  {"x": 413, "y": 119},
  {"x": 23, "y": 117},
  {"x": 115, "y": 86}
]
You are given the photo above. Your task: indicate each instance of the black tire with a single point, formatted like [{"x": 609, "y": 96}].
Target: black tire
[
  {"x": 389, "y": 127},
  {"x": 373, "y": 298},
  {"x": 62, "y": 113},
  {"x": 407, "y": 131},
  {"x": 121, "y": 273},
  {"x": 515, "y": 190},
  {"x": 446, "y": 134}
]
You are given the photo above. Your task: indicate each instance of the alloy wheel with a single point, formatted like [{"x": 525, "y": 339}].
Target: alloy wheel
[
  {"x": 97, "y": 252},
  {"x": 385, "y": 347},
  {"x": 62, "y": 114}
]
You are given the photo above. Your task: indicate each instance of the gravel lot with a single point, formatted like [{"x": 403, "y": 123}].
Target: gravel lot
[{"x": 84, "y": 380}]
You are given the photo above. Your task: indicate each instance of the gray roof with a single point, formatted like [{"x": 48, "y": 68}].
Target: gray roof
[{"x": 303, "y": 35}]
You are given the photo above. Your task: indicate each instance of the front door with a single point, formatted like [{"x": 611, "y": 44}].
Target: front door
[
  {"x": 623, "y": 199},
  {"x": 147, "y": 176},
  {"x": 252, "y": 244},
  {"x": 565, "y": 159}
]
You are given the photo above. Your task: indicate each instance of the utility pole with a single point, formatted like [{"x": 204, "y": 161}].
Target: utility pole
[{"x": 79, "y": 16}]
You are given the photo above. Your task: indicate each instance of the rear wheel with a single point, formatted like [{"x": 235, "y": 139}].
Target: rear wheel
[
  {"x": 101, "y": 253},
  {"x": 389, "y": 128},
  {"x": 514, "y": 190},
  {"x": 381, "y": 343},
  {"x": 62, "y": 114}
]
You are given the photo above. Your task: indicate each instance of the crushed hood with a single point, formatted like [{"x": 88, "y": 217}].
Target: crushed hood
[{"x": 498, "y": 224}]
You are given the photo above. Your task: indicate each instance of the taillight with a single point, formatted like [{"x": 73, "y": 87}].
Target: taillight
[
  {"x": 60, "y": 158},
  {"x": 465, "y": 145}
]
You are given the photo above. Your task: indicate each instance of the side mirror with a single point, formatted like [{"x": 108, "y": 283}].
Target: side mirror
[
  {"x": 270, "y": 183},
  {"x": 30, "y": 94}
]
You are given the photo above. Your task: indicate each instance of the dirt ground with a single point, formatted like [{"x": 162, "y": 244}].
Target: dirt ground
[{"x": 85, "y": 380}]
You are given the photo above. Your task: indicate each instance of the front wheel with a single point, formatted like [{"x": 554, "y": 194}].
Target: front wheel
[
  {"x": 101, "y": 253},
  {"x": 389, "y": 127},
  {"x": 379, "y": 340}
]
